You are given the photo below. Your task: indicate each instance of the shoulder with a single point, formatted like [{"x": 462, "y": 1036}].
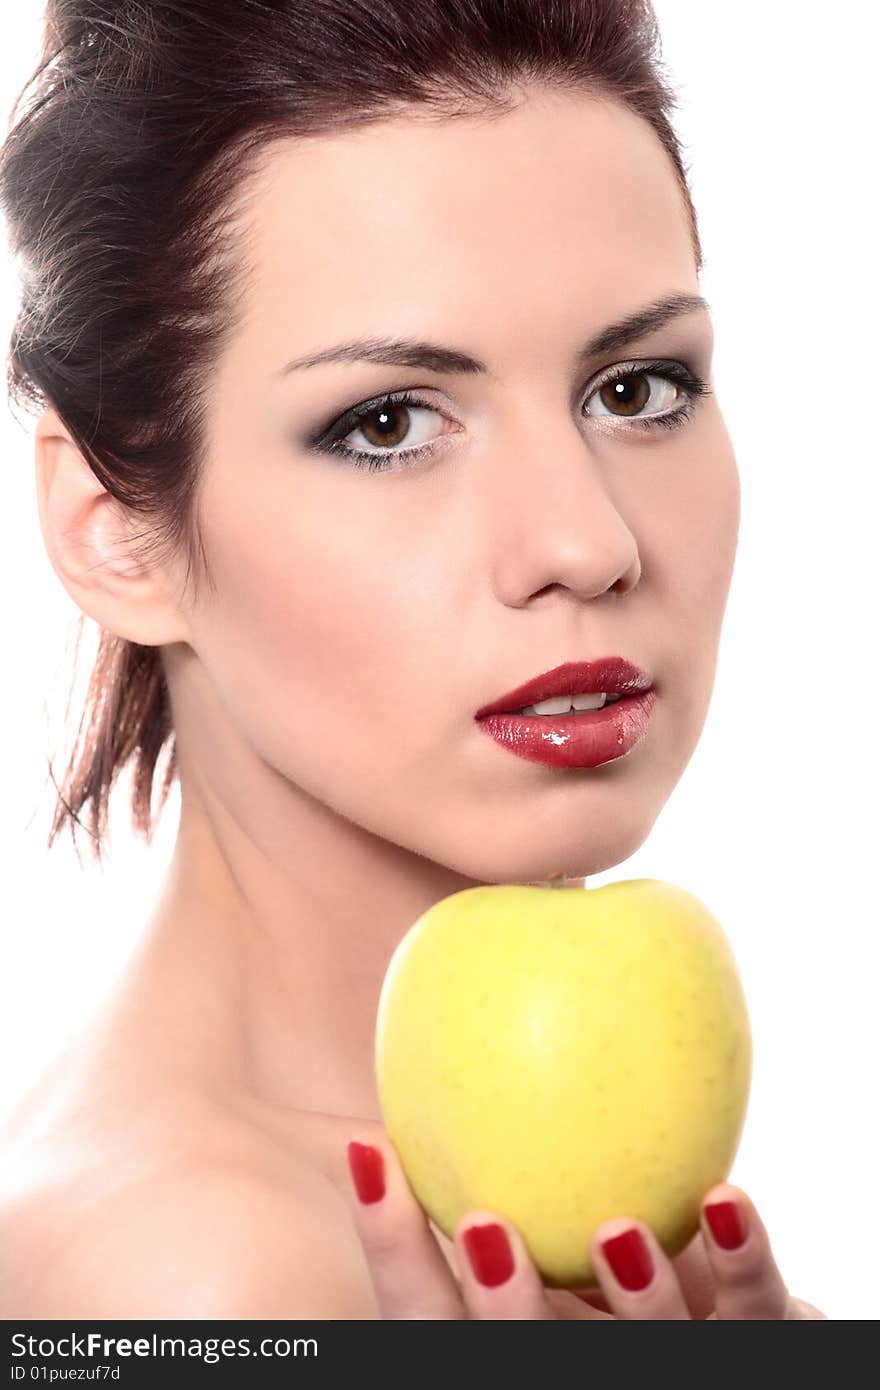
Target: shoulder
[
  {"x": 219, "y": 1223},
  {"x": 201, "y": 1242}
]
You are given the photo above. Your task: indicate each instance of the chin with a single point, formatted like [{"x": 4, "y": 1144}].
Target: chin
[{"x": 574, "y": 869}]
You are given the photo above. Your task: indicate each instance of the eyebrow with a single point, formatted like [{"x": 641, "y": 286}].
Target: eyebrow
[{"x": 434, "y": 357}]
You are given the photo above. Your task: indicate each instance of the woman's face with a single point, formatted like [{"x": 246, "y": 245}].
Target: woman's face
[{"x": 362, "y": 616}]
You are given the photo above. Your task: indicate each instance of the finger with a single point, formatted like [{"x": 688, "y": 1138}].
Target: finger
[
  {"x": 747, "y": 1281},
  {"x": 635, "y": 1273},
  {"x": 409, "y": 1271},
  {"x": 798, "y": 1309},
  {"x": 694, "y": 1274},
  {"x": 498, "y": 1277}
]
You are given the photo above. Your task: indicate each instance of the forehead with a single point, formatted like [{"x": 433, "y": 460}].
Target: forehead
[{"x": 474, "y": 215}]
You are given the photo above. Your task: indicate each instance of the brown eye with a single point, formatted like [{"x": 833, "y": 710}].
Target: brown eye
[
  {"x": 627, "y": 395},
  {"x": 647, "y": 396},
  {"x": 392, "y": 425}
]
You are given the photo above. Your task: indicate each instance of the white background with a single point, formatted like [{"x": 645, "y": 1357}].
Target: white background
[{"x": 774, "y": 824}]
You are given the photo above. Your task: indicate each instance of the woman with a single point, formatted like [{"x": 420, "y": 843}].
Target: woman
[{"x": 374, "y": 381}]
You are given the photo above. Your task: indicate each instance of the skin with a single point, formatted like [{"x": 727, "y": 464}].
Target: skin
[{"x": 334, "y": 784}]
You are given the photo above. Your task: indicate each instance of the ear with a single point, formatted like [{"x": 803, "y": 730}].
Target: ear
[{"x": 87, "y": 534}]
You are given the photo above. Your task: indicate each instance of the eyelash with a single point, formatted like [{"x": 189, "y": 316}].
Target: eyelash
[{"x": 329, "y": 442}]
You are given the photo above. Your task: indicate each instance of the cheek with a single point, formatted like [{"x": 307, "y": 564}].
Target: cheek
[
  {"x": 687, "y": 518},
  {"x": 301, "y": 617},
  {"x": 710, "y": 522},
  {"x": 314, "y": 637},
  {"x": 690, "y": 528},
  {"x": 699, "y": 570}
]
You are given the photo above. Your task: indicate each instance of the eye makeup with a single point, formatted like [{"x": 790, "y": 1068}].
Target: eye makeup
[{"x": 330, "y": 440}]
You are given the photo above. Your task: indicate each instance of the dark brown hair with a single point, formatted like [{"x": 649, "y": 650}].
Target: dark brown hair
[{"x": 136, "y": 137}]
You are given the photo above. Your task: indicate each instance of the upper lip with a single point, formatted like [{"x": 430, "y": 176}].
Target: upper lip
[{"x": 613, "y": 674}]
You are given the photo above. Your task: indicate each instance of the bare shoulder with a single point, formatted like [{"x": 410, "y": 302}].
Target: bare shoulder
[
  {"x": 195, "y": 1236},
  {"x": 202, "y": 1244}
]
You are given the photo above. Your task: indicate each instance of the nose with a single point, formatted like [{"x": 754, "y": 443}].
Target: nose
[{"x": 552, "y": 520}]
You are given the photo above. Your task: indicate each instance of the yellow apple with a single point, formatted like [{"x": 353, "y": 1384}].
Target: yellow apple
[{"x": 560, "y": 1056}]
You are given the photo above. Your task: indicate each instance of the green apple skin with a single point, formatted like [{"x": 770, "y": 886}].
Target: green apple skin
[{"x": 560, "y": 1056}]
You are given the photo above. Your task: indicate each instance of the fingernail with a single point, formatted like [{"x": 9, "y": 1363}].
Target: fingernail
[
  {"x": 726, "y": 1224},
  {"x": 630, "y": 1259},
  {"x": 367, "y": 1171},
  {"x": 489, "y": 1252}
]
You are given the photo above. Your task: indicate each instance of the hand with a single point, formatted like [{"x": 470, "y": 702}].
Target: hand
[{"x": 413, "y": 1279}]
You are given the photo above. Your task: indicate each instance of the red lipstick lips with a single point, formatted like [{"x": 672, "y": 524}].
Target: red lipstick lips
[
  {"x": 613, "y": 674},
  {"x": 582, "y": 738}
]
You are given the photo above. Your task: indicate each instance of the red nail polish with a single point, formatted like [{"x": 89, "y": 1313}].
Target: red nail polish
[
  {"x": 726, "y": 1224},
  {"x": 367, "y": 1171},
  {"x": 630, "y": 1259},
  {"x": 489, "y": 1253}
]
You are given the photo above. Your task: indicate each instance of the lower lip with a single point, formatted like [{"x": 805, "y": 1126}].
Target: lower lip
[{"x": 581, "y": 739}]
